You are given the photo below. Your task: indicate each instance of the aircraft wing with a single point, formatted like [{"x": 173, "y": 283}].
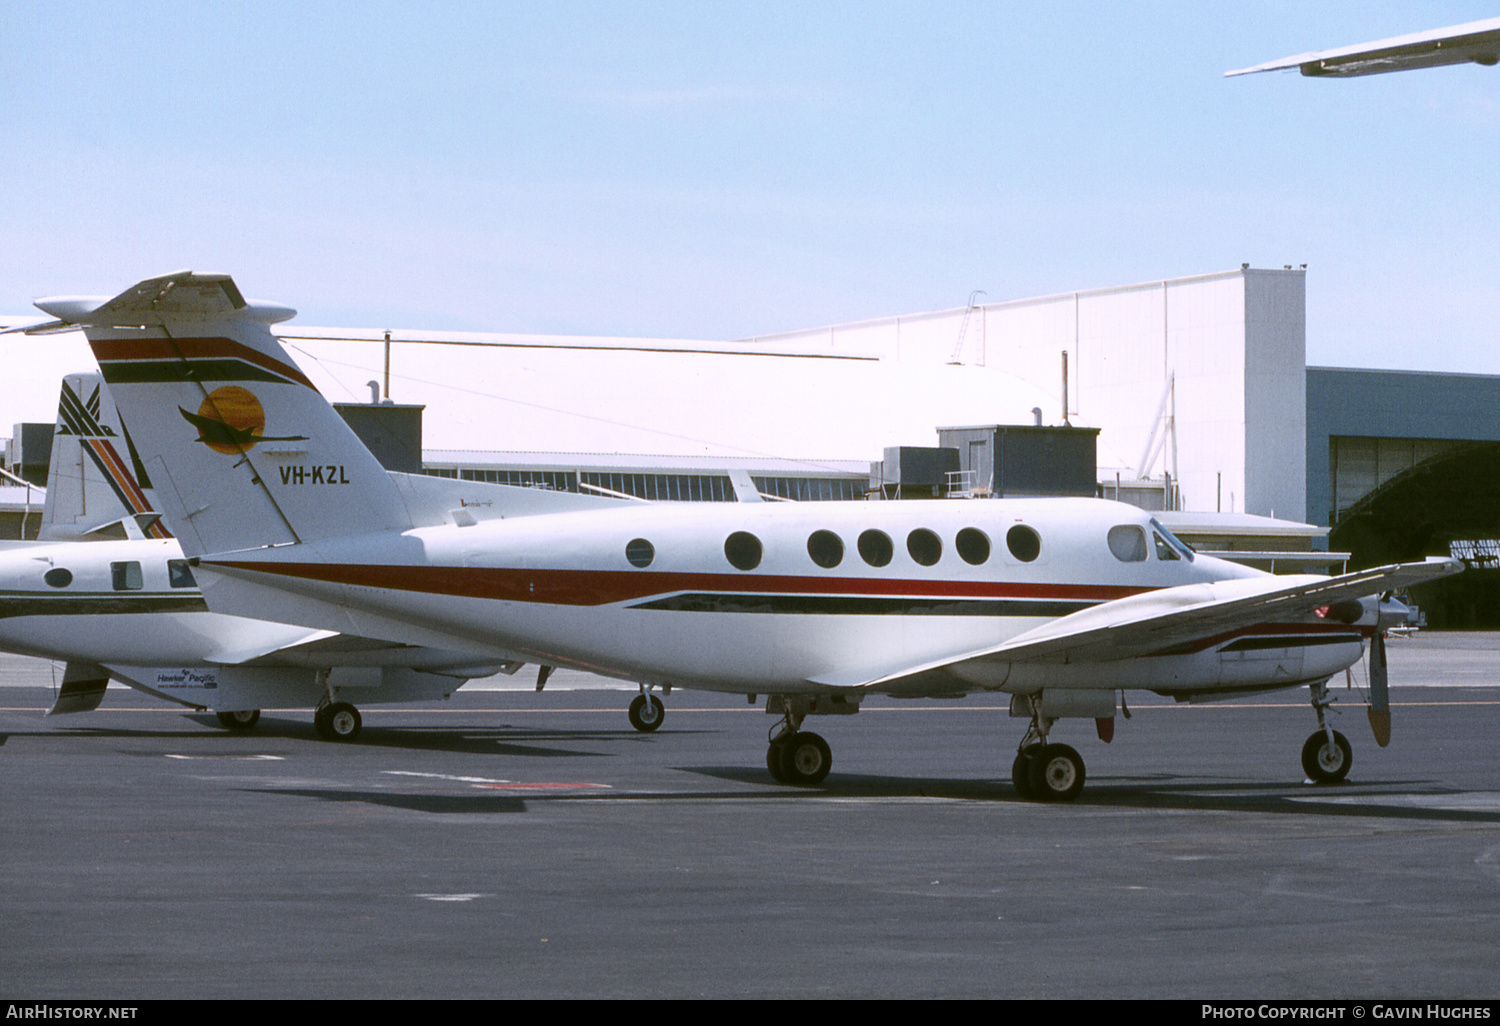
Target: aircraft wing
[
  {"x": 265, "y": 646},
  {"x": 1477, "y": 42},
  {"x": 1156, "y": 621}
]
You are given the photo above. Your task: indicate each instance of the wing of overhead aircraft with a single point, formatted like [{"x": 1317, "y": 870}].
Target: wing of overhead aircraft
[{"x": 1477, "y": 42}]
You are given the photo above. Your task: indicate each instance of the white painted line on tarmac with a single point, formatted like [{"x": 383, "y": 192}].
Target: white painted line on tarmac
[
  {"x": 445, "y": 776},
  {"x": 494, "y": 784}
]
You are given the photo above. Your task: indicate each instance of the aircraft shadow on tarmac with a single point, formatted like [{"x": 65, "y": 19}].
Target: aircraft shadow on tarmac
[
  {"x": 1166, "y": 792},
  {"x": 439, "y": 804},
  {"x": 1159, "y": 791},
  {"x": 505, "y": 739},
  {"x": 1408, "y": 800},
  {"x": 501, "y": 739}
]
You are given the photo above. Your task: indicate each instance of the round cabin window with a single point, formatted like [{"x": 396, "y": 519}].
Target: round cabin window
[
  {"x": 875, "y": 547},
  {"x": 925, "y": 547},
  {"x": 743, "y": 550},
  {"x": 973, "y": 546},
  {"x": 640, "y": 552},
  {"x": 1023, "y": 542},
  {"x": 826, "y": 549}
]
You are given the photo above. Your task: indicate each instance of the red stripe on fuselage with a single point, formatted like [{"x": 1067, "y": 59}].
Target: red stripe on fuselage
[
  {"x": 603, "y": 587},
  {"x": 130, "y": 350}
]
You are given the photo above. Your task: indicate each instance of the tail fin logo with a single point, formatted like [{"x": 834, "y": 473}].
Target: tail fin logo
[{"x": 232, "y": 421}]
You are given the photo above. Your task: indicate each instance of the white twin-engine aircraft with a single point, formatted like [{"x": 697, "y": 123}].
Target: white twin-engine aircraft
[{"x": 1058, "y": 602}]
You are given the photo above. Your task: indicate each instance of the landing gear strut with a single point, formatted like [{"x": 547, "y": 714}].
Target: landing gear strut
[{"x": 1326, "y": 757}]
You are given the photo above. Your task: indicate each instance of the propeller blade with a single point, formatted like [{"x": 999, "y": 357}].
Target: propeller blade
[{"x": 1380, "y": 696}]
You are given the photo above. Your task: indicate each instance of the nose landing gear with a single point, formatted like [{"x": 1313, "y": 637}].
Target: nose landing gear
[
  {"x": 646, "y": 711},
  {"x": 1326, "y": 757}
]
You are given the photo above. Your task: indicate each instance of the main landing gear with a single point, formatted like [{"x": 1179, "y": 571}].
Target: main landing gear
[
  {"x": 334, "y": 721},
  {"x": 1043, "y": 771},
  {"x": 1326, "y": 757},
  {"x": 337, "y": 721},
  {"x": 240, "y": 719},
  {"x": 797, "y": 757}
]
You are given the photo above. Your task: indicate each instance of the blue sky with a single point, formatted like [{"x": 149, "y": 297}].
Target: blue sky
[{"x": 718, "y": 170}]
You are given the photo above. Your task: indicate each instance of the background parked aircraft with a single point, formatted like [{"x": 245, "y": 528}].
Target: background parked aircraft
[{"x": 106, "y": 590}]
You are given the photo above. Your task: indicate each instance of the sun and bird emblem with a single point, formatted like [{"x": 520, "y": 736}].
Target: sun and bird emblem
[{"x": 232, "y": 421}]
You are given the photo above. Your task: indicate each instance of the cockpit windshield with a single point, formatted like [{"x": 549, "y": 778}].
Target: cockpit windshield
[{"x": 1171, "y": 541}]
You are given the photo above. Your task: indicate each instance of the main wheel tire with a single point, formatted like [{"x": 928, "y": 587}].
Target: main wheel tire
[
  {"x": 1057, "y": 774},
  {"x": 773, "y": 761},
  {"x": 1324, "y": 764},
  {"x": 338, "y": 722},
  {"x": 1020, "y": 770},
  {"x": 646, "y": 713},
  {"x": 239, "y": 719},
  {"x": 805, "y": 759}
]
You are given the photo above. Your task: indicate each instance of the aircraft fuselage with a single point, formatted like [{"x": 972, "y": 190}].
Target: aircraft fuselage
[{"x": 796, "y": 598}]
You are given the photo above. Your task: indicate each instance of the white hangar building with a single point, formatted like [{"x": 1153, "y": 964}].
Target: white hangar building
[{"x": 1197, "y": 385}]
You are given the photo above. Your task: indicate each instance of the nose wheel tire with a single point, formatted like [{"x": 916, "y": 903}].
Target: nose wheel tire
[
  {"x": 1325, "y": 764},
  {"x": 239, "y": 719},
  {"x": 1056, "y": 773},
  {"x": 646, "y": 713},
  {"x": 337, "y": 722}
]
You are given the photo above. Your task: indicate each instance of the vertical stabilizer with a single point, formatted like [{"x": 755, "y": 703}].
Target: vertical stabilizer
[
  {"x": 239, "y": 446},
  {"x": 93, "y": 487}
]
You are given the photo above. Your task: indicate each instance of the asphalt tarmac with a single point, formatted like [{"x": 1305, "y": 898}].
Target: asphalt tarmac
[{"x": 509, "y": 844}]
